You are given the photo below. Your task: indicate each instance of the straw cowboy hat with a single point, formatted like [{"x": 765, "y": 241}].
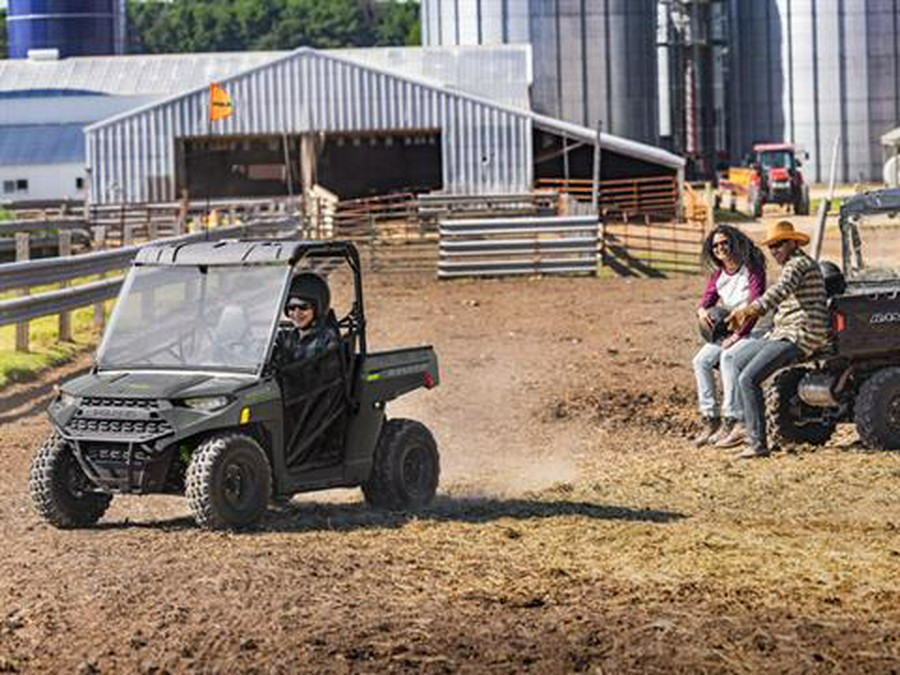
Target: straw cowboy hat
[{"x": 784, "y": 230}]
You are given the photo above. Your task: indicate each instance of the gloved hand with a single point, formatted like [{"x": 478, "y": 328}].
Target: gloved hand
[{"x": 741, "y": 315}]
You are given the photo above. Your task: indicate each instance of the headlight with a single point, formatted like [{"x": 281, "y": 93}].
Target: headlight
[
  {"x": 65, "y": 399},
  {"x": 206, "y": 403}
]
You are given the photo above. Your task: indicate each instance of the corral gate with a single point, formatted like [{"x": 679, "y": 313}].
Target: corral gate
[{"x": 515, "y": 246}]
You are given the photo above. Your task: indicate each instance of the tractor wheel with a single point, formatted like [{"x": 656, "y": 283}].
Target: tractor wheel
[
  {"x": 64, "y": 496},
  {"x": 406, "y": 468},
  {"x": 789, "y": 419},
  {"x": 877, "y": 410},
  {"x": 228, "y": 482}
]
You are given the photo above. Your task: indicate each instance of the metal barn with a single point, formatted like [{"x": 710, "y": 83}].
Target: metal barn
[{"x": 313, "y": 117}]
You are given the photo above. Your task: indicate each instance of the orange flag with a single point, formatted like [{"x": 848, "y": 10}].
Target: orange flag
[{"x": 220, "y": 105}]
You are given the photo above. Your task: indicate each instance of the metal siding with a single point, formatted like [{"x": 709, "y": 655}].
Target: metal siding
[
  {"x": 883, "y": 72},
  {"x": 856, "y": 107},
  {"x": 831, "y": 95}
]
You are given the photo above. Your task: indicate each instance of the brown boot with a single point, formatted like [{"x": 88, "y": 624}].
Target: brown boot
[
  {"x": 753, "y": 451},
  {"x": 734, "y": 434},
  {"x": 710, "y": 426}
]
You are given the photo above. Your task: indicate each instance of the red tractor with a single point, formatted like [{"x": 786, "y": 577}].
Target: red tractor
[{"x": 776, "y": 179}]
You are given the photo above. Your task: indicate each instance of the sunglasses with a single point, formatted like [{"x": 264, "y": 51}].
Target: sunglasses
[
  {"x": 302, "y": 306},
  {"x": 721, "y": 244},
  {"x": 776, "y": 246}
]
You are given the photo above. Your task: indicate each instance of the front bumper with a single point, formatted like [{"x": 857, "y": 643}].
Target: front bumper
[{"x": 122, "y": 445}]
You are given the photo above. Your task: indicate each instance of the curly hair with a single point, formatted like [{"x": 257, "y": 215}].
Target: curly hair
[{"x": 742, "y": 248}]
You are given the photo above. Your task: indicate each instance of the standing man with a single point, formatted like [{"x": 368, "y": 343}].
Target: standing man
[{"x": 800, "y": 327}]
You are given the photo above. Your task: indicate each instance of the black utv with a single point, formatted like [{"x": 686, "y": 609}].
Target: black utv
[
  {"x": 189, "y": 395},
  {"x": 858, "y": 380}
]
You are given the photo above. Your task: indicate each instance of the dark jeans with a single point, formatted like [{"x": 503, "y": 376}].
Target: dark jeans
[{"x": 754, "y": 363}]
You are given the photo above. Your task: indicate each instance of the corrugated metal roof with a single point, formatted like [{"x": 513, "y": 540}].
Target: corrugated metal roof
[
  {"x": 41, "y": 144},
  {"x": 625, "y": 146},
  {"x": 500, "y": 72},
  {"x": 131, "y": 75}
]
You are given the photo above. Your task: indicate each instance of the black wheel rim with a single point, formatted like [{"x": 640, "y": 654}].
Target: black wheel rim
[
  {"x": 237, "y": 480},
  {"x": 417, "y": 470},
  {"x": 76, "y": 483}
]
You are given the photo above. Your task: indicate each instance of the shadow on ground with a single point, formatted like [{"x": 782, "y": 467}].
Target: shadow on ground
[{"x": 314, "y": 517}]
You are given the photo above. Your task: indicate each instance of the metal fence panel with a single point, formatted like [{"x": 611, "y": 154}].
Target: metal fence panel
[
  {"x": 54, "y": 270},
  {"x": 54, "y": 302},
  {"x": 517, "y": 246}
]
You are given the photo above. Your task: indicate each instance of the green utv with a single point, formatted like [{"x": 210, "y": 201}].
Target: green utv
[{"x": 187, "y": 395}]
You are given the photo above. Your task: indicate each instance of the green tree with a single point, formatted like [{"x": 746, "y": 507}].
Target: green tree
[
  {"x": 4, "y": 46},
  {"x": 313, "y": 23},
  {"x": 233, "y": 25},
  {"x": 397, "y": 23}
]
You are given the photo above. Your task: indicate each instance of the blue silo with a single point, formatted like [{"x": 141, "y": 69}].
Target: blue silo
[{"x": 74, "y": 27}]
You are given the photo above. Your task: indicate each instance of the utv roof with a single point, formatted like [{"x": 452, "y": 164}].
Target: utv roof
[
  {"x": 880, "y": 201},
  {"x": 241, "y": 252}
]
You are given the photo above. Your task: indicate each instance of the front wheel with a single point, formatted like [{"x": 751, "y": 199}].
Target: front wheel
[
  {"x": 877, "y": 410},
  {"x": 228, "y": 482},
  {"x": 406, "y": 467},
  {"x": 789, "y": 419},
  {"x": 63, "y": 495}
]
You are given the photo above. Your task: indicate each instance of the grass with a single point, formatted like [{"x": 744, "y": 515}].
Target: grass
[
  {"x": 45, "y": 349},
  {"x": 5, "y": 215},
  {"x": 729, "y": 216}
]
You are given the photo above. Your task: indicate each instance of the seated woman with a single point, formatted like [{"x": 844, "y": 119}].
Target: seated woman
[
  {"x": 738, "y": 276},
  {"x": 310, "y": 333}
]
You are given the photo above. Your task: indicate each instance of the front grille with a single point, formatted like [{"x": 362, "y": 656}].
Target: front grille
[
  {"x": 116, "y": 453},
  {"x": 118, "y": 418}
]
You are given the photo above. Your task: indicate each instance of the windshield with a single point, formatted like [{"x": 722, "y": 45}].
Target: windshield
[
  {"x": 180, "y": 317},
  {"x": 871, "y": 249},
  {"x": 777, "y": 159}
]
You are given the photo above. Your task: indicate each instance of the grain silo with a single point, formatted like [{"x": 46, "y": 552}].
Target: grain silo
[
  {"x": 809, "y": 71},
  {"x": 594, "y": 60},
  {"x": 72, "y": 27}
]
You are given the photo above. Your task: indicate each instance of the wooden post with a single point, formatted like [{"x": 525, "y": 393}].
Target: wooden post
[
  {"x": 127, "y": 233},
  {"x": 710, "y": 206},
  {"x": 100, "y": 307},
  {"x": 65, "y": 318},
  {"x": 22, "y": 254},
  {"x": 308, "y": 176}
]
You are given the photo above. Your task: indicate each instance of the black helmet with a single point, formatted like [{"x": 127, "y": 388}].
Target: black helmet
[
  {"x": 719, "y": 329},
  {"x": 834, "y": 278},
  {"x": 311, "y": 287}
]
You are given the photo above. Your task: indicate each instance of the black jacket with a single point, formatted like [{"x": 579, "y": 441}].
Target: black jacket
[{"x": 293, "y": 345}]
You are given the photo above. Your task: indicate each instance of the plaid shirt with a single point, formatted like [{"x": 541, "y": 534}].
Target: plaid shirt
[{"x": 802, "y": 311}]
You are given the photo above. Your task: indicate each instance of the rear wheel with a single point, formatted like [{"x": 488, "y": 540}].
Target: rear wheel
[
  {"x": 228, "y": 482},
  {"x": 63, "y": 495},
  {"x": 406, "y": 468},
  {"x": 877, "y": 410},
  {"x": 789, "y": 419}
]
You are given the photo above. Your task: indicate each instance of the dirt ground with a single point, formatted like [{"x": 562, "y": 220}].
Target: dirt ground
[{"x": 576, "y": 530}]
